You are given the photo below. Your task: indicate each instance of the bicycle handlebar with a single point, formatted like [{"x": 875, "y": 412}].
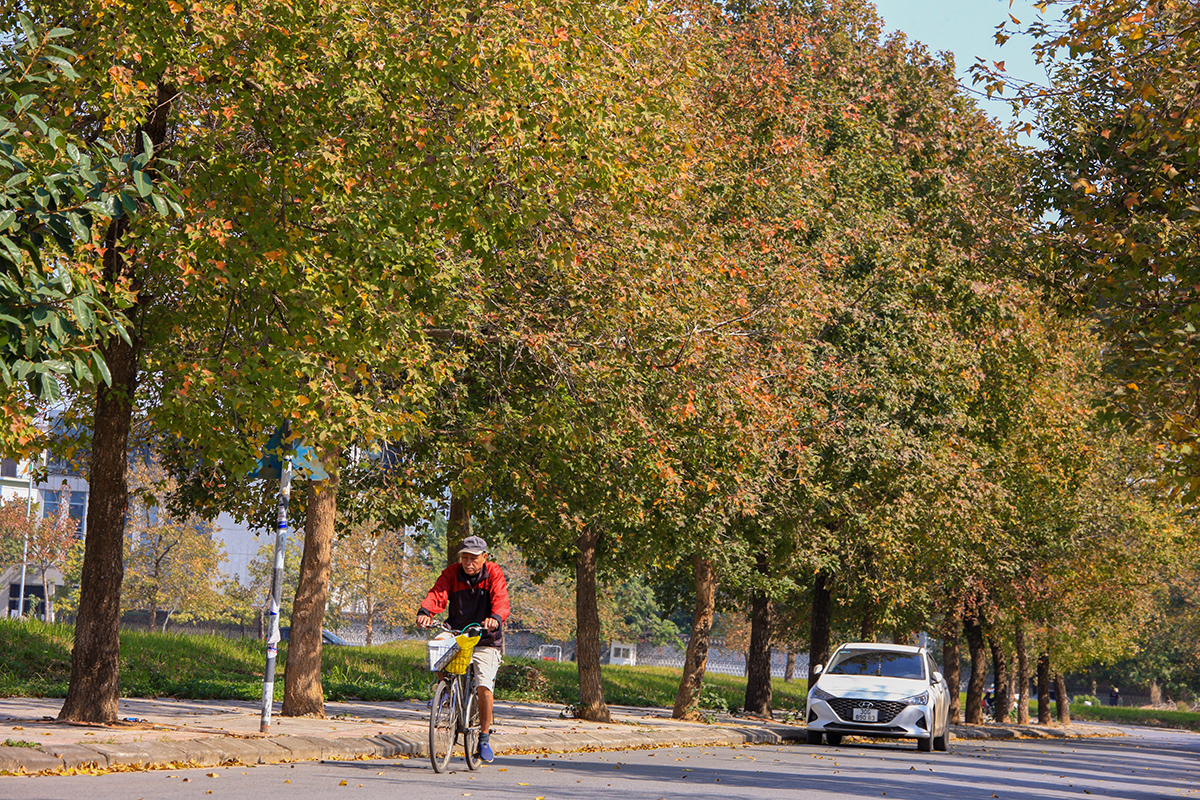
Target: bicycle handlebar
[{"x": 473, "y": 629}]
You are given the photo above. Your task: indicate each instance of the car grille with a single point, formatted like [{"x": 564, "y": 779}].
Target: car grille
[{"x": 844, "y": 707}]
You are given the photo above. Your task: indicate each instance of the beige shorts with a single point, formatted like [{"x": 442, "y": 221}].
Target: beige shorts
[{"x": 487, "y": 663}]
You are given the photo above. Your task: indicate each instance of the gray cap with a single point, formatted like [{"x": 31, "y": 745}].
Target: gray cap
[{"x": 473, "y": 545}]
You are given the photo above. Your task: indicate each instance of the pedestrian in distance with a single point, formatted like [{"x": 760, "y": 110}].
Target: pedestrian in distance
[
  {"x": 474, "y": 591},
  {"x": 1114, "y": 697}
]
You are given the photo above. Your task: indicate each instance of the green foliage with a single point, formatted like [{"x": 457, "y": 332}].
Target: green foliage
[
  {"x": 1118, "y": 170},
  {"x": 630, "y": 613},
  {"x": 57, "y": 189}
]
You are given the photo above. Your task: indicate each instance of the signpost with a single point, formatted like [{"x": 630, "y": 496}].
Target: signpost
[
  {"x": 269, "y": 466},
  {"x": 281, "y": 526}
]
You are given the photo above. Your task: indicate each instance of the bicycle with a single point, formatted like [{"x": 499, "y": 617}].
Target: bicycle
[{"x": 455, "y": 706}]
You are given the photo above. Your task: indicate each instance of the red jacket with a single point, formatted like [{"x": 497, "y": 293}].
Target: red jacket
[{"x": 471, "y": 600}]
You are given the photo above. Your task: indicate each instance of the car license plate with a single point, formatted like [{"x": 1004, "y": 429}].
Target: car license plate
[{"x": 866, "y": 715}]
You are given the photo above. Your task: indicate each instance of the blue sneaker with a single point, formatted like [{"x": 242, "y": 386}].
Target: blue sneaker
[{"x": 485, "y": 750}]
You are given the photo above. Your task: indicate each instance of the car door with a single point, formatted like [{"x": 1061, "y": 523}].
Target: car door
[{"x": 941, "y": 720}]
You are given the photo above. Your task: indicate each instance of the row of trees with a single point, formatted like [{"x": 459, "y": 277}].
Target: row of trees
[{"x": 731, "y": 296}]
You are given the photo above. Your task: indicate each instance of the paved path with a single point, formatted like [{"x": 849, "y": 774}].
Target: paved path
[{"x": 163, "y": 733}]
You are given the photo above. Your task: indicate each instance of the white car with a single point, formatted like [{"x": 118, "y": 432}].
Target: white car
[{"x": 886, "y": 690}]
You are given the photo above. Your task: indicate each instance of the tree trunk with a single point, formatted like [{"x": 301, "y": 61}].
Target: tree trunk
[
  {"x": 866, "y": 631},
  {"x": 152, "y": 618},
  {"x": 1043, "y": 685},
  {"x": 1064, "y": 707},
  {"x": 1155, "y": 691},
  {"x": 48, "y": 616},
  {"x": 789, "y": 667},
  {"x": 952, "y": 672},
  {"x": 94, "y": 687},
  {"x": 1022, "y": 676},
  {"x": 758, "y": 668},
  {"x": 587, "y": 628},
  {"x": 820, "y": 624},
  {"x": 370, "y": 623},
  {"x": 303, "y": 695},
  {"x": 1002, "y": 700},
  {"x": 458, "y": 527},
  {"x": 975, "y": 647},
  {"x": 695, "y": 661}
]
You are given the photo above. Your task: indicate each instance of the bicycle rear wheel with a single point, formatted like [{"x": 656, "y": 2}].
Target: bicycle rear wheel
[
  {"x": 443, "y": 722},
  {"x": 471, "y": 726}
]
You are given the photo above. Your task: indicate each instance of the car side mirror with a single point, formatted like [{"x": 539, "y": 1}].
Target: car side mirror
[
  {"x": 937, "y": 677},
  {"x": 818, "y": 668}
]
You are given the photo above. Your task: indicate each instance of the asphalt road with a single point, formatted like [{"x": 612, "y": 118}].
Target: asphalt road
[{"x": 1145, "y": 764}]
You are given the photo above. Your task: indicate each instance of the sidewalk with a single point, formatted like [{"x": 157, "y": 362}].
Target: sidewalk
[{"x": 164, "y": 733}]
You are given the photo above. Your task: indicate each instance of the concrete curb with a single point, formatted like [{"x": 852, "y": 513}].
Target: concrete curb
[
  {"x": 1033, "y": 731},
  {"x": 229, "y": 750}
]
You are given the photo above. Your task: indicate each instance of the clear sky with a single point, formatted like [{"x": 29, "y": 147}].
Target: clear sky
[{"x": 966, "y": 28}]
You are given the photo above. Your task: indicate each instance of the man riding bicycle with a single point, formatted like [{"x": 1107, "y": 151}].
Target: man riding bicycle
[{"x": 475, "y": 591}]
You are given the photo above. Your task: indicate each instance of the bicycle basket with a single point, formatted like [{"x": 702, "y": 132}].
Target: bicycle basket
[{"x": 449, "y": 653}]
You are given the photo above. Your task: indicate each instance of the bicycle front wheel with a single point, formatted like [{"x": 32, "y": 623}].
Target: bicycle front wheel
[
  {"x": 471, "y": 726},
  {"x": 443, "y": 722}
]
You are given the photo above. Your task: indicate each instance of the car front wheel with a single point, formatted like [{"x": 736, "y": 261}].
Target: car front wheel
[
  {"x": 834, "y": 739},
  {"x": 813, "y": 737},
  {"x": 925, "y": 745},
  {"x": 942, "y": 743}
]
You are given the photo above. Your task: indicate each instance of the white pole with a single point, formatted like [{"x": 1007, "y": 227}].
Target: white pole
[
  {"x": 25, "y": 549},
  {"x": 281, "y": 526}
]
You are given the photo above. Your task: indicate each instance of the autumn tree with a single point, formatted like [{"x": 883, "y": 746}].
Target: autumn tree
[
  {"x": 45, "y": 542},
  {"x": 1118, "y": 176},
  {"x": 542, "y": 603},
  {"x": 378, "y": 575},
  {"x": 172, "y": 565}
]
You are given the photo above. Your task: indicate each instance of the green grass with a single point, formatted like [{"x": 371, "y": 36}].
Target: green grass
[
  {"x": 37, "y": 664},
  {"x": 1149, "y": 717}
]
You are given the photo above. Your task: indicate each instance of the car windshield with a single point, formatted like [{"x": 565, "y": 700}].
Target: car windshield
[{"x": 881, "y": 664}]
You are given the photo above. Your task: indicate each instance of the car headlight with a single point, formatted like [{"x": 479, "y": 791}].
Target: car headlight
[
  {"x": 818, "y": 693},
  {"x": 917, "y": 699}
]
